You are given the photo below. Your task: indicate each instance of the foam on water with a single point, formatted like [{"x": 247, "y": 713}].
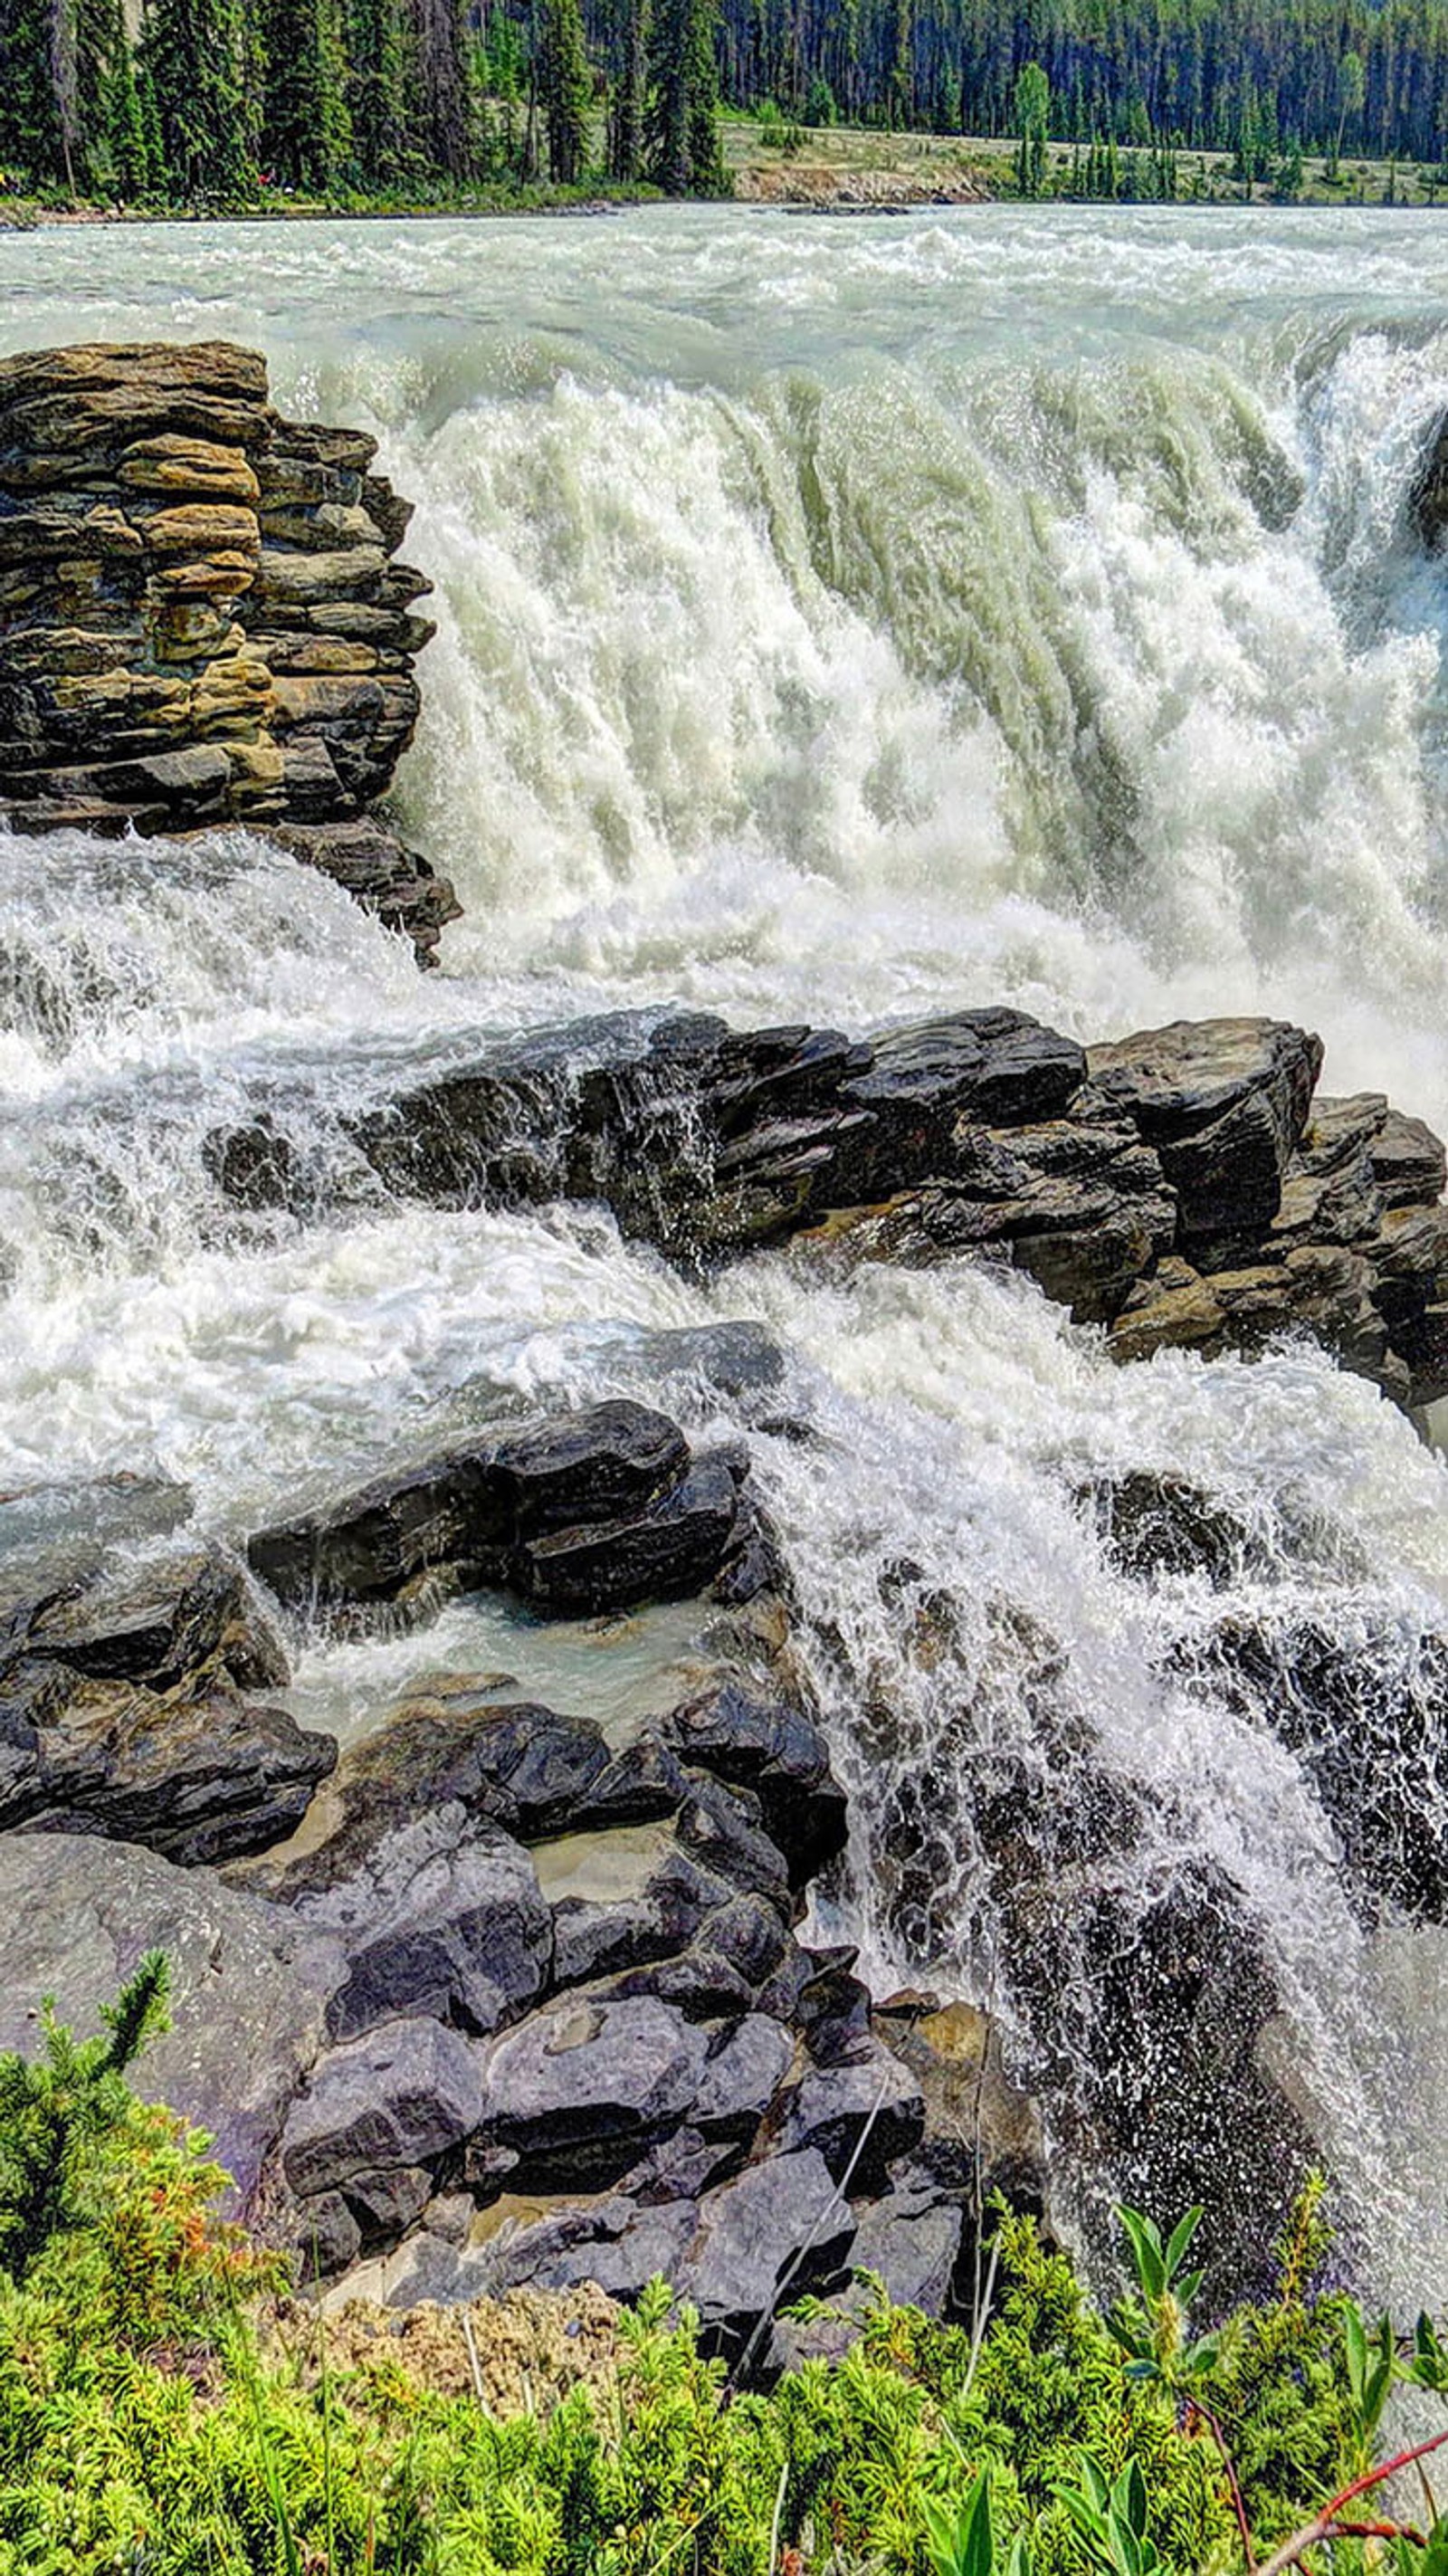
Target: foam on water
[{"x": 835, "y": 622}]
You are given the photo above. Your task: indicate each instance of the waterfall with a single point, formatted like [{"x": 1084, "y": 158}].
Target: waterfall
[{"x": 836, "y": 622}]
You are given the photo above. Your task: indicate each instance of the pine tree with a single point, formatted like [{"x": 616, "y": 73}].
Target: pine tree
[
  {"x": 193, "y": 51},
  {"x": 685, "y": 156},
  {"x": 629, "y": 46},
  {"x": 566, "y": 88},
  {"x": 305, "y": 125}
]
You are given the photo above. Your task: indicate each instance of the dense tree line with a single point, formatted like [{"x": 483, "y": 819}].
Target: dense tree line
[
  {"x": 1195, "y": 75},
  {"x": 187, "y": 101},
  {"x": 211, "y": 101}
]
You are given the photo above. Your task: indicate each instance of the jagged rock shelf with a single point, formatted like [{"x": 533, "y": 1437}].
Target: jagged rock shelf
[{"x": 1184, "y": 1186}]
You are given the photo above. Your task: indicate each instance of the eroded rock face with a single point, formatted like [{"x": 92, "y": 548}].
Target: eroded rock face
[{"x": 201, "y": 618}]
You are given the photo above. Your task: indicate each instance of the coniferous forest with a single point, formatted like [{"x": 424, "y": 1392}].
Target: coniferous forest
[{"x": 215, "y": 102}]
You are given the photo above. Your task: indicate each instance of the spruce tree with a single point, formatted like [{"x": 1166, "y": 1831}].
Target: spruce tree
[
  {"x": 629, "y": 47},
  {"x": 126, "y": 127},
  {"x": 30, "y": 135},
  {"x": 567, "y": 91},
  {"x": 706, "y": 147},
  {"x": 443, "y": 83},
  {"x": 305, "y": 125},
  {"x": 377, "y": 93},
  {"x": 1033, "y": 107},
  {"x": 685, "y": 153},
  {"x": 193, "y": 51}
]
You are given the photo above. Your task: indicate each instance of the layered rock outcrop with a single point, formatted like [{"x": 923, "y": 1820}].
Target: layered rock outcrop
[{"x": 201, "y": 617}]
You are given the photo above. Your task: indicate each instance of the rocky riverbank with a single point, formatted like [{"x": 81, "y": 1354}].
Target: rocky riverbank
[
  {"x": 524, "y": 2000},
  {"x": 499, "y": 1994}
]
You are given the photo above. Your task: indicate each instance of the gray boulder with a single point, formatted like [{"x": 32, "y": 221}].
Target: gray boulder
[
  {"x": 859, "y": 2115},
  {"x": 772, "y": 1748},
  {"x": 399, "y": 2097},
  {"x": 249, "y": 1985},
  {"x": 776, "y": 2224},
  {"x": 582, "y": 2085},
  {"x": 445, "y": 1917}
]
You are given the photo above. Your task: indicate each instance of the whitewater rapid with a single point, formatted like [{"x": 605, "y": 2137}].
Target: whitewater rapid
[{"x": 836, "y": 622}]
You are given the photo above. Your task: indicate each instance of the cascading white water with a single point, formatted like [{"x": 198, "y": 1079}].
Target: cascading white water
[{"x": 836, "y": 622}]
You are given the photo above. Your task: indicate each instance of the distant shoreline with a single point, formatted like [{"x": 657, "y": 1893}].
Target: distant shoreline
[{"x": 844, "y": 170}]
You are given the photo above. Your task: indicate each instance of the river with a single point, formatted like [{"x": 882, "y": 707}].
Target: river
[{"x": 838, "y": 620}]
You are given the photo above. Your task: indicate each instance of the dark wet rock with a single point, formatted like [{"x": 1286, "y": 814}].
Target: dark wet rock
[
  {"x": 1223, "y": 1102},
  {"x": 1081, "y": 1205},
  {"x": 616, "y": 2243},
  {"x": 328, "y": 2237},
  {"x": 1163, "y": 1525},
  {"x": 121, "y": 1706},
  {"x": 1335, "y": 1296},
  {"x": 742, "y": 2077},
  {"x": 736, "y": 1951},
  {"x": 1408, "y": 1258},
  {"x": 581, "y": 2086},
  {"x": 859, "y": 2115},
  {"x": 722, "y": 1828},
  {"x": 199, "y": 622},
  {"x": 826, "y": 2001},
  {"x": 398, "y": 2097},
  {"x": 522, "y": 1766},
  {"x": 772, "y": 1748},
  {"x": 623, "y": 1897},
  {"x": 676, "y": 1547},
  {"x": 249, "y": 1984},
  {"x": 592, "y": 1511},
  {"x": 642, "y": 1782},
  {"x": 1179, "y": 1185},
  {"x": 911, "y": 2243},
  {"x": 199, "y": 1775},
  {"x": 1367, "y": 1716},
  {"x": 444, "y": 1916},
  {"x": 160, "y": 1622},
  {"x": 777, "y": 2223},
  {"x": 1140, "y": 1995}
]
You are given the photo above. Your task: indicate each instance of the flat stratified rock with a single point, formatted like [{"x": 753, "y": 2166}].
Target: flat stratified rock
[{"x": 200, "y": 618}]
